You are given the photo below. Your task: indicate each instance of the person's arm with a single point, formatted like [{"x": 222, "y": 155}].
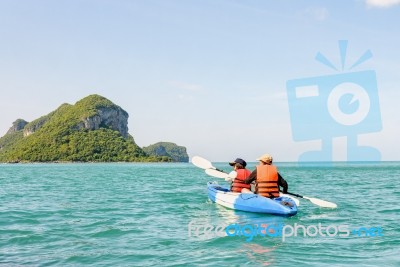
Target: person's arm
[
  {"x": 252, "y": 177},
  {"x": 282, "y": 182}
]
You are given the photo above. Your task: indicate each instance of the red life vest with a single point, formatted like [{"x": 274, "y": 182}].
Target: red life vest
[
  {"x": 267, "y": 181},
  {"x": 238, "y": 184}
]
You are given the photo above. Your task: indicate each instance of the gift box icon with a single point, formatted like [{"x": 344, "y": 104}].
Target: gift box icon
[{"x": 338, "y": 105}]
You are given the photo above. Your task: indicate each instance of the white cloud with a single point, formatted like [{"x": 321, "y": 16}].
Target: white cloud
[
  {"x": 382, "y": 3},
  {"x": 317, "y": 13}
]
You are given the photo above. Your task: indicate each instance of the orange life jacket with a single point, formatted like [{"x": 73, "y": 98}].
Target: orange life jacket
[
  {"x": 238, "y": 184},
  {"x": 267, "y": 181}
]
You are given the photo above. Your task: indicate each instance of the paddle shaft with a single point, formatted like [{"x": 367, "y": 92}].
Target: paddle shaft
[
  {"x": 293, "y": 194},
  {"x": 220, "y": 170}
]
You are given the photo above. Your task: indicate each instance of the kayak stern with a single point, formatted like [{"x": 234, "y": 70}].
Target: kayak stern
[{"x": 282, "y": 206}]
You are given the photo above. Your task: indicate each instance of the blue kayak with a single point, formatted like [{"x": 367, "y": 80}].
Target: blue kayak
[{"x": 282, "y": 206}]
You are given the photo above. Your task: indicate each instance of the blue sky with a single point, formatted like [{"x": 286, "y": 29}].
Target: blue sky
[{"x": 208, "y": 75}]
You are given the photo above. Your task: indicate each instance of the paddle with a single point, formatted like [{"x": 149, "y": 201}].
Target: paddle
[
  {"x": 219, "y": 174},
  {"x": 316, "y": 201},
  {"x": 203, "y": 163}
]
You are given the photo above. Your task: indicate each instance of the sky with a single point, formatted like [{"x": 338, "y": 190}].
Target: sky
[{"x": 209, "y": 75}]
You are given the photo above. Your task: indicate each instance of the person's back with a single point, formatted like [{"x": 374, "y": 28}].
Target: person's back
[
  {"x": 238, "y": 183},
  {"x": 239, "y": 165},
  {"x": 267, "y": 181}
]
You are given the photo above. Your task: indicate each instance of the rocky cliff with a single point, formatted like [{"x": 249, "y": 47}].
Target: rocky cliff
[
  {"x": 35, "y": 125},
  {"x": 17, "y": 125},
  {"x": 112, "y": 118}
]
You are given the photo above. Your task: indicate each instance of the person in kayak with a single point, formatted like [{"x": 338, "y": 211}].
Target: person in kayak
[
  {"x": 238, "y": 184},
  {"x": 267, "y": 178}
]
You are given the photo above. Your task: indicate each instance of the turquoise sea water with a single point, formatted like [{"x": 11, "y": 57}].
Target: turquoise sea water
[{"x": 138, "y": 215}]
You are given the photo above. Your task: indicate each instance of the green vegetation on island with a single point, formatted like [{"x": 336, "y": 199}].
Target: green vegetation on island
[
  {"x": 92, "y": 130},
  {"x": 177, "y": 153}
]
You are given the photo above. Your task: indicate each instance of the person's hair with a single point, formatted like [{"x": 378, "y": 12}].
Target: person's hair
[{"x": 239, "y": 166}]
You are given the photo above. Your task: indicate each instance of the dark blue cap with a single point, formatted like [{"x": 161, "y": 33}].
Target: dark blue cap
[{"x": 238, "y": 160}]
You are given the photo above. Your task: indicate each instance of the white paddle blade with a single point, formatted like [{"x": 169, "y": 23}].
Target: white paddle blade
[
  {"x": 322, "y": 203},
  {"x": 216, "y": 173},
  {"x": 202, "y": 163}
]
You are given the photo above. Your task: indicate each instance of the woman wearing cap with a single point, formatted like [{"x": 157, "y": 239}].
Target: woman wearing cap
[
  {"x": 238, "y": 184},
  {"x": 267, "y": 178}
]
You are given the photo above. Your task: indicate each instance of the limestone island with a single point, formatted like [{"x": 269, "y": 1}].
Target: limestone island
[{"x": 93, "y": 130}]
